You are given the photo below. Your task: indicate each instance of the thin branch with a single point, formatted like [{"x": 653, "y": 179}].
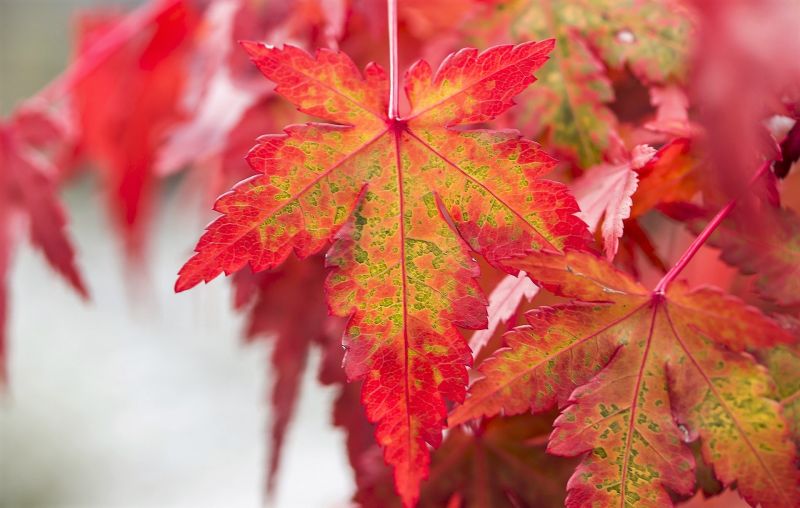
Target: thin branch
[{"x": 701, "y": 239}]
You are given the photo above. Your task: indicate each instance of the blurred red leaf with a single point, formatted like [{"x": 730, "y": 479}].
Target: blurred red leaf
[
  {"x": 571, "y": 105},
  {"x": 772, "y": 253},
  {"x": 743, "y": 45},
  {"x": 672, "y": 112},
  {"x": 128, "y": 103},
  {"x": 499, "y": 463},
  {"x": 604, "y": 196},
  {"x": 287, "y": 306},
  {"x": 28, "y": 189}
]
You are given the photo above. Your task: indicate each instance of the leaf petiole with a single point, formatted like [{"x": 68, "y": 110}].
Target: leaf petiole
[
  {"x": 701, "y": 239},
  {"x": 394, "y": 91}
]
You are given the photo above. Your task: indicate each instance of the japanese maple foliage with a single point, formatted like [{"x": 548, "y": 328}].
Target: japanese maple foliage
[
  {"x": 125, "y": 105},
  {"x": 773, "y": 256},
  {"x": 593, "y": 37},
  {"x": 398, "y": 177},
  {"x": 502, "y": 462},
  {"x": 296, "y": 322},
  {"x": 378, "y": 233},
  {"x": 664, "y": 359}
]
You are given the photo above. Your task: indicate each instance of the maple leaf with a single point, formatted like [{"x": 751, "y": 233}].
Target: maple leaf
[
  {"x": 613, "y": 196},
  {"x": 669, "y": 180},
  {"x": 504, "y": 300},
  {"x": 28, "y": 188},
  {"x": 676, "y": 359},
  {"x": 128, "y": 103},
  {"x": 500, "y": 463},
  {"x": 402, "y": 269},
  {"x": 669, "y": 177},
  {"x": 224, "y": 91},
  {"x": 571, "y": 103},
  {"x": 604, "y": 196}
]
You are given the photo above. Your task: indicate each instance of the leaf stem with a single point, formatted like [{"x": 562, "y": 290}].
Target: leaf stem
[
  {"x": 394, "y": 91},
  {"x": 701, "y": 239},
  {"x": 133, "y": 24}
]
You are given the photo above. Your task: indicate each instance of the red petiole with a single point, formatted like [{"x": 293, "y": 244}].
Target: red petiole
[
  {"x": 701, "y": 239},
  {"x": 394, "y": 90}
]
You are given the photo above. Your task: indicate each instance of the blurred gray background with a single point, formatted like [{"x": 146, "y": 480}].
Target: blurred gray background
[{"x": 139, "y": 398}]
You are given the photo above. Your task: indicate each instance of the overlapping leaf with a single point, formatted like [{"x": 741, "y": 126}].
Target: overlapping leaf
[
  {"x": 28, "y": 188},
  {"x": 417, "y": 194},
  {"x": 501, "y": 463},
  {"x": 128, "y": 103},
  {"x": 504, "y": 300},
  {"x": 286, "y": 305},
  {"x": 604, "y": 195},
  {"x": 677, "y": 369},
  {"x": 650, "y": 37},
  {"x": 669, "y": 177},
  {"x": 613, "y": 196},
  {"x": 669, "y": 180},
  {"x": 771, "y": 253}
]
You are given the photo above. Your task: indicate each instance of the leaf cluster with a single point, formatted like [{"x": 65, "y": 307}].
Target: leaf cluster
[{"x": 475, "y": 271}]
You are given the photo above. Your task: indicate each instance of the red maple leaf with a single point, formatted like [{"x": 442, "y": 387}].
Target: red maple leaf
[
  {"x": 286, "y": 305},
  {"x": 499, "y": 463},
  {"x": 28, "y": 189},
  {"x": 644, "y": 363},
  {"x": 417, "y": 192},
  {"x": 127, "y": 104}
]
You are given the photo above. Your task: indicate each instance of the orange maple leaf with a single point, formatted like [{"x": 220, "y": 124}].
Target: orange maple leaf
[
  {"x": 416, "y": 194},
  {"x": 674, "y": 368}
]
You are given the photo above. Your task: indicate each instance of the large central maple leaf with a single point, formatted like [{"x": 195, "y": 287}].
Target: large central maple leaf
[{"x": 416, "y": 193}]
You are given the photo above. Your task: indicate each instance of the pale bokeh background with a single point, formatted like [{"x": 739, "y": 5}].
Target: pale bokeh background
[{"x": 139, "y": 398}]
